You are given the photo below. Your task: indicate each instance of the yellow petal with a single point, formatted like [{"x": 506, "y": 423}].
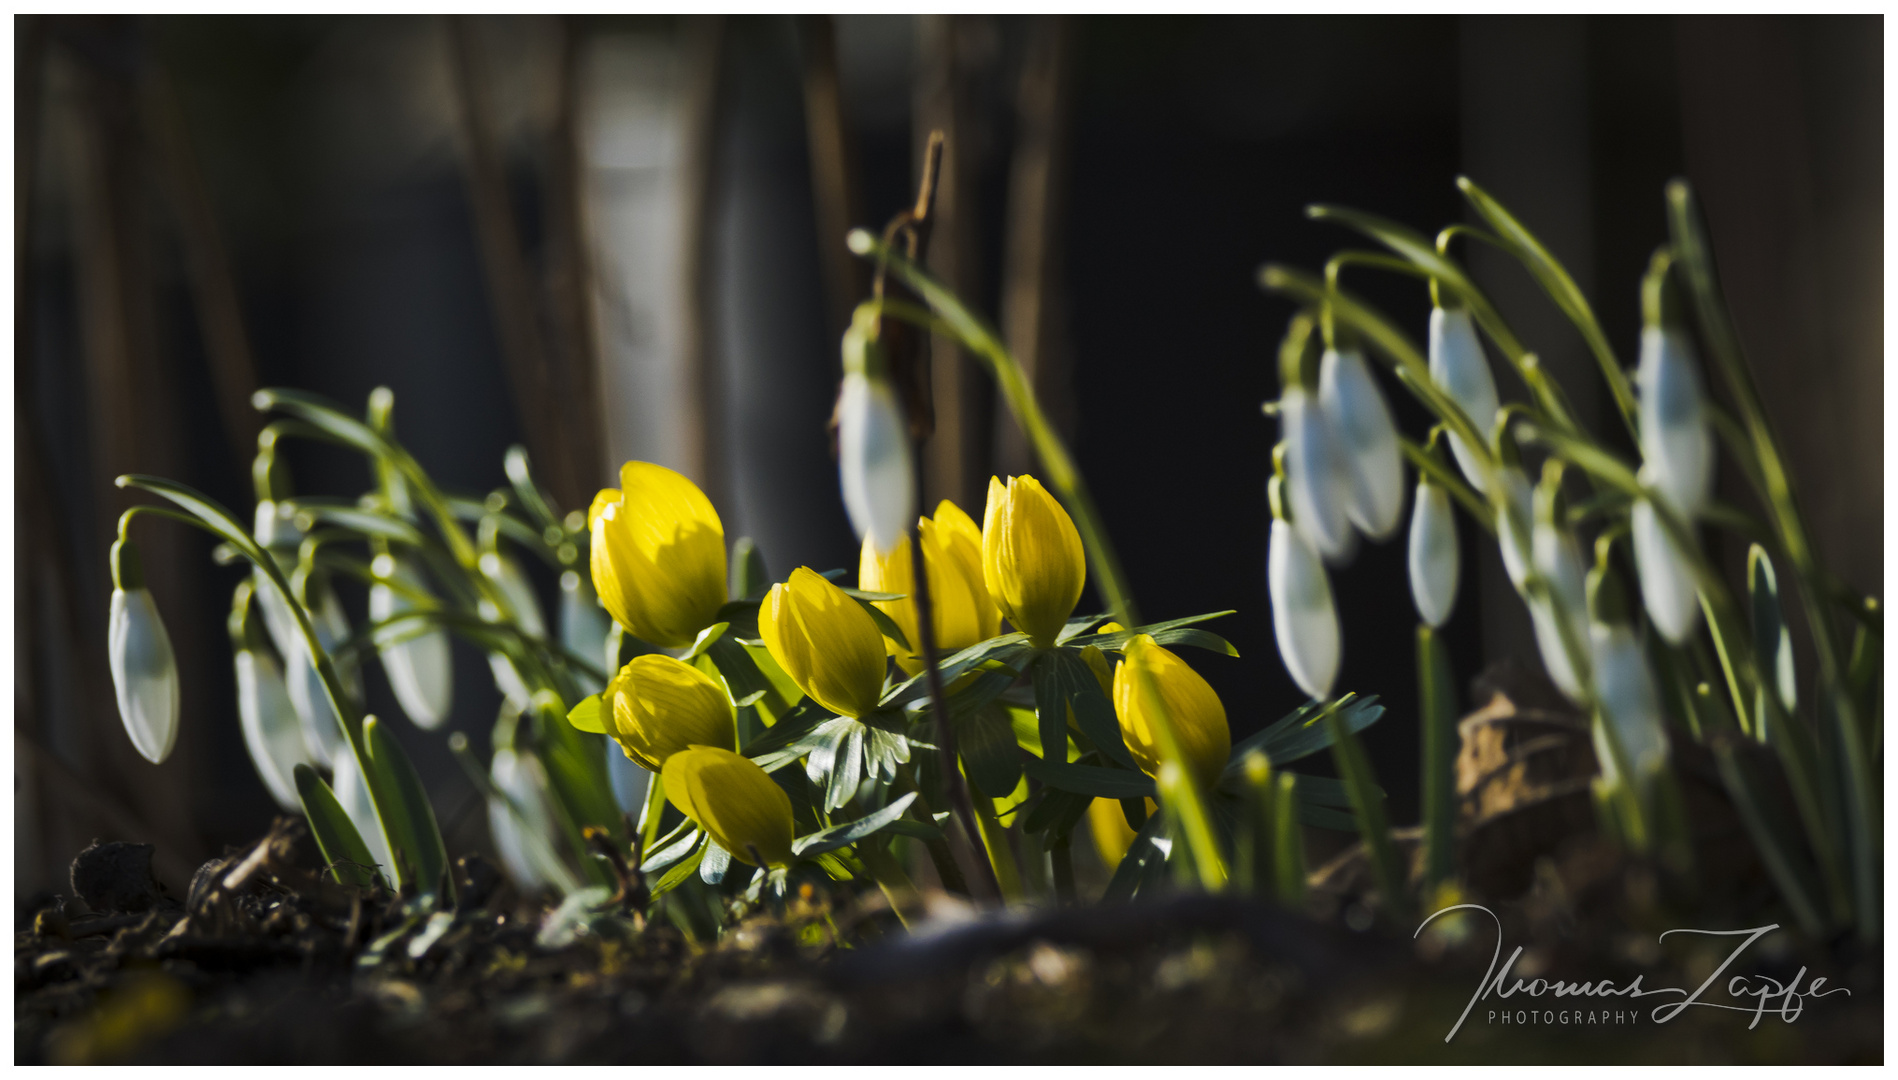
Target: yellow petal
[
  {"x": 734, "y": 801},
  {"x": 825, "y": 641},
  {"x": 890, "y": 572},
  {"x": 1199, "y": 720},
  {"x": 1032, "y": 560},
  {"x": 659, "y": 706},
  {"x": 1112, "y": 837},
  {"x": 658, "y": 555}
]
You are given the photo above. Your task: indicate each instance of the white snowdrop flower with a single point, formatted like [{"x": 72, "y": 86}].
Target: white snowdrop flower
[
  {"x": 1433, "y": 557},
  {"x": 418, "y": 664},
  {"x": 873, "y": 461},
  {"x": 144, "y": 672},
  {"x": 272, "y": 733},
  {"x": 584, "y": 626},
  {"x": 1362, "y": 421},
  {"x": 1667, "y": 579},
  {"x": 1458, "y": 366},
  {"x": 1303, "y": 617},
  {"x": 1630, "y": 705},
  {"x": 1560, "y": 567},
  {"x": 1676, "y": 444},
  {"x": 352, "y": 794},
  {"x": 1318, "y": 476},
  {"x": 1514, "y": 525},
  {"x": 322, "y": 735}
]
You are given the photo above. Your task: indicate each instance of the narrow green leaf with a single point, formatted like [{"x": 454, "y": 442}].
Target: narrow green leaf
[
  {"x": 1093, "y": 713},
  {"x": 415, "y": 839},
  {"x": 851, "y": 831},
  {"x": 1300, "y": 734},
  {"x": 681, "y": 870},
  {"x": 673, "y": 847},
  {"x": 1788, "y": 871},
  {"x": 1118, "y": 640},
  {"x": 1091, "y": 780},
  {"x": 1144, "y": 855},
  {"x": 714, "y": 863},
  {"x": 1199, "y": 639},
  {"x": 344, "y": 852},
  {"x": 986, "y": 741},
  {"x": 1368, "y": 807},
  {"x": 743, "y": 681}
]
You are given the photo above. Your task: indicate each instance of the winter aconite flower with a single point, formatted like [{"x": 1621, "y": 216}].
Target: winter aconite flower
[
  {"x": 873, "y": 450},
  {"x": 1433, "y": 559},
  {"x": 1198, "y": 718},
  {"x": 417, "y": 660},
  {"x": 1362, "y": 421},
  {"x": 144, "y": 670},
  {"x": 658, "y": 555},
  {"x": 825, "y": 641},
  {"x": 958, "y": 593},
  {"x": 1458, "y": 367},
  {"x": 1032, "y": 558},
  {"x": 734, "y": 801},
  {"x": 657, "y": 706},
  {"x": 1303, "y": 618}
]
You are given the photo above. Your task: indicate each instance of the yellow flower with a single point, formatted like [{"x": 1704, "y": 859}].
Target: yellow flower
[
  {"x": 825, "y": 642},
  {"x": 1112, "y": 837},
  {"x": 658, "y": 555},
  {"x": 959, "y": 598},
  {"x": 1199, "y": 720},
  {"x": 657, "y": 706},
  {"x": 733, "y": 800},
  {"x": 1031, "y": 558}
]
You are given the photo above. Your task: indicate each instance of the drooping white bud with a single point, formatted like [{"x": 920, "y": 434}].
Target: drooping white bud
[
  {"x": 418, "y": 660},
  {"x": 322, "y": 735},
  {"x": 1566, "y": 605},
  {"x": 1303, "y": 617},
  {"x": 1514, "y": 526},
  {"x": 1318, "y": 476},
  {"x": 1458, "y": 366},
  {"x": 584, "y": 626},
  {"x": 352, "y": 794},
  {"x": 1676, "y": 444},
  {"x": 1630, "y": 705},
  {"x": 1362, "y": 421},
  {"x": 873, "y": 461},
  {"x": 1668, "y": 590},
  {"x": 272, "y": 733},
  {"x": 1434, "y": 560},
  {"x": 144, "y": 673}
]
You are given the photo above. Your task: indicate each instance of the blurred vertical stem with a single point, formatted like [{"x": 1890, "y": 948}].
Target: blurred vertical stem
[
  {"x": 1437, "y": 693},
  {"x": 1367, "y": 805},
  {"x": 703, "y": 51}
]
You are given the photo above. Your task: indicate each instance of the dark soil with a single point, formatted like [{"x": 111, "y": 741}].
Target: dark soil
[{"x": 264, "y": 962}]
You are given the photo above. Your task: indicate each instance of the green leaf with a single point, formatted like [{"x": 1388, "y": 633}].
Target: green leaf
[
  {"x": 749, "y": 578},
  {"x": 1091, "y": 780},
  {"x": 1003, "y": 650},
  {"x": 681, "y": 870},
  {"x": 1367, "y": 804},
  {"x": 1051, "y": 705},
  {"x": 407, "y": 816},
  {"x": 1076, "y": 626},
  {"x": 1300, "y": 734},
  {"x": 364, "y": 522},
  {"x": 671, "y": 849},
  {"x": 708, "y": 637},
  {"x": 323, "y": 414},
  {"x": 986, "y": 741},
  {"x": 1199, "y": 639},
  {"x": 851, "y": 831},
  {"x": 917, "y": 829},
  {"x": 1143, "y": 863},
  {"x": 776, "y": 745},
  {"x": 741, "y": 619},
  {"x": 846, "y": 768},
  {"x": 743, "y": 681},
  {"x": 1087, "y": 702},
  {"x": 342, "y": 846},
  {"x": 1056, "y": 813},
  {"x": 1118, "y": 640},
  {"x": 1555, "y": 280},
  {"x": 588, "y": 716}
]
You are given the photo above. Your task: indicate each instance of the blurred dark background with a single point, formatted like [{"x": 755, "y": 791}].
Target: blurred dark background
[{"x": 611, "y": 238}]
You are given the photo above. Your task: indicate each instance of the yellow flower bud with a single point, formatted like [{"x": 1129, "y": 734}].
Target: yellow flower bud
[
  {"x": 825, "y": 642},
  {"x": 658, "y": 555},
  {"x": 1199, "y": 720},
  {"x": 1112, "y": 837},
  {"x": 657, "y": 706},
  {"x": 733, "y": 800},
  {"x": 1032, "y": 559},
  {"x": 959, "y": 598}
]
